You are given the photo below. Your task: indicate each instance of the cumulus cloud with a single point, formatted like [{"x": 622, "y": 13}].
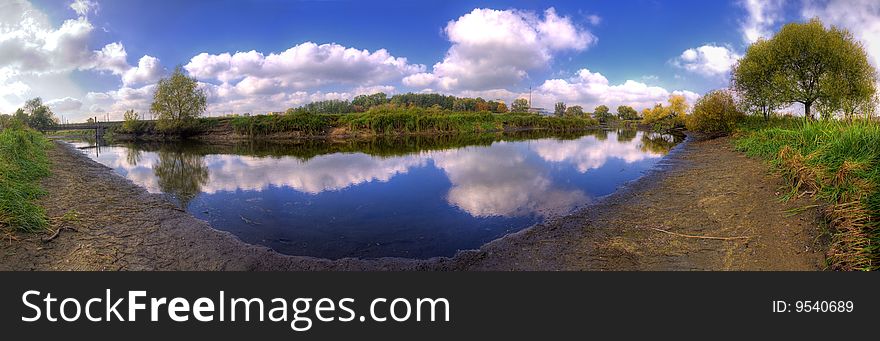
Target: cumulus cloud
[
  {"x": 148, "y": 70},
  {"x": 64, "y": 104},
  {"x": 36, "y": 58},
  {"x": 493, "y": 49},
  {"x": 84, "y": 7},
  {"x": 708, "y": 60},
  {"x": 761, "y": 16},
  {"x": 300, "y": 67},
  {"x": 861, "y": 17},
  {"x": 590, "y": 89}
]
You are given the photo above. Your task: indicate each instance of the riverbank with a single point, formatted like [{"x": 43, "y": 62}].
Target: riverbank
[
  {"x": 300, "y": 126},
  {"x": 693, "y": 214}
]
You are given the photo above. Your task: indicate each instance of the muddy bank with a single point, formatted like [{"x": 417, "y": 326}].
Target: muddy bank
[{"x": 719, "y": 210}]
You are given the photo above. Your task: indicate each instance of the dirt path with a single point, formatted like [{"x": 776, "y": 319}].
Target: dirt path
[{"x": 706, "y": 190}]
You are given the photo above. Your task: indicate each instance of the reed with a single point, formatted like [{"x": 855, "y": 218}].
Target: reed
[{"x": 837, "y": 162}]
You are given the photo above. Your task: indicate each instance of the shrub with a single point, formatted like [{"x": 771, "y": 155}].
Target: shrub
[{"x": 715, "y": 113}]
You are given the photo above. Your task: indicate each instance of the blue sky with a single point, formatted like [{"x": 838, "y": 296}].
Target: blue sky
[{"x": 86, "y": 57}]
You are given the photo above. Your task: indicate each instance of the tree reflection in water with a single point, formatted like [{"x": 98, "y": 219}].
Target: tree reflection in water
[
  {"x": 181, "y": 174},
  {"x": 659, "y": 143},
  {"x": 626, "y": 135}
]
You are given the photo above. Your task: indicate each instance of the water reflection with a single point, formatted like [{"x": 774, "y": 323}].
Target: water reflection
[{"x": 414, "y": 197}]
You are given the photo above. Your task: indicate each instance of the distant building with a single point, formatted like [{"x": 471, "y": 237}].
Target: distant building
[{"x": 541, "y": 111}]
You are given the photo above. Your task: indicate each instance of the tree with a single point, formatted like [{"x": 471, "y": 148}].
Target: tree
[
  {"x": 5, "y": 120},
  {"x": 625, "y": 112},
  {"x": 559, "y": 109},
  {"x": 810, "y": 65},
  {"x": 602, "y": 113},
  {"x": 520, "y": 105},
  {"x": 574, "y": 111},
  {"x": 178, "y": 101},
  {"x": 678, "y": 107},
  {"x": 36, "y": 114},
  {"x": 715, "y": 113},
  {"x": 752, "y": 79},
  {"x": 130, "y": 121},
  {"x": 667, "y": 117},
  {"x": 501, "y": 108}
]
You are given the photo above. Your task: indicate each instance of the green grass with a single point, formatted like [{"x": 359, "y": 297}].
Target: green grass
[
  {"x": 837, "y": 162},
  {"x": 23, "y": 162}
]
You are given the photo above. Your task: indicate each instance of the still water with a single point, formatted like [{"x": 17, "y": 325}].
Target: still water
[{"x": 416, "y": 197}]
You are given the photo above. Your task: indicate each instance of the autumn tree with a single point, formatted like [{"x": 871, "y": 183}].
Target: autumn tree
[
  {"x": 501, "y": 108},
  {"x": 520, "y": 105},
  {"x": 715, "y": 113},
  {"x": 178, "y": 101}
]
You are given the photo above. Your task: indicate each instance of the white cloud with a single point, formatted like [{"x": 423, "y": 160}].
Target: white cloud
[
  {"x": 494, "y": 49},
  {"x": 590, "y": 89},
  {"x": 302, "y": 66},
  {"x": 65, "y": 104},
  {"x": 708, "y": 60},
  {"x": 861, "y": 17},
  {"x": 37, "y": 58},
  {"x": 84, "y": 7},
  {"x": 147, "y": 71},
  {"x": 761, "y": 16}
]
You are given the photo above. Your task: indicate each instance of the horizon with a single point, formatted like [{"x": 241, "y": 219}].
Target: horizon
[{"x": 97, "y": 58}]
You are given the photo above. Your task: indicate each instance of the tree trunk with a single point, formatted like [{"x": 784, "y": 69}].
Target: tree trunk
[{"x": 807, "y": 114}]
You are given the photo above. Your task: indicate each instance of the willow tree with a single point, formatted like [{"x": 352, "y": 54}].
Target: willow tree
[
  {"x": 752, "y": 79},
  {"x": 178, "y": 101},
  {"x": 809, "y": 64}
]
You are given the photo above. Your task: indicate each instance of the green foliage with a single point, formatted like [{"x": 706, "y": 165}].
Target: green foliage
[
  {"x": 271, "y": 124},
  {"x": 178, "y": 101},
  {"x": 574, "y": 111},
  {"x": 602, "y": 113},
  {"x": 809, "y": 64},
  {"x": 132, "y": 123},
  {"x": 23, "y": 162},
  {"x": 36, "y": 115},
  {"x": 333, "y": 106},
  {"x": 520, "y": 105},
  {"x": 364, "y": 102},
  {"x": 625, "y": 112},
  {"x": 5, "y": 120},
  {"x": 715, "y": 113},
  {"x": 840, "y": 163},
  {"x": 389, "y": 120},
  {"x": 559, "y": 109}
]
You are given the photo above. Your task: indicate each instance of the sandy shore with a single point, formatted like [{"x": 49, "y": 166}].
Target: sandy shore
[{"x": 707, "y": 208}]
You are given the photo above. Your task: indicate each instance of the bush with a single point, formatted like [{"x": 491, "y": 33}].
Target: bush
[{"x": 715, "y": 113}]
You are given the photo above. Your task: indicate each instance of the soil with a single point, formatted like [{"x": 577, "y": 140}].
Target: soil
[{"x": 707, "y": 208}]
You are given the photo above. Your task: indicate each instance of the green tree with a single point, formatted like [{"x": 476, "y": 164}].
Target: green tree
[
  {"x": 602, "y": 113},
  {"x": 559, "y": 109},
  {"x": 178, "y": 101},
  {"x": 752, "y": 79},
  {"x": 811, "y": 64},
  {"x": 574, "y": 111},
  {"x": 131, "y": 121},
  {"x": 520, "y": 105},
  {"x": 5, "y": 120},
  {"x": 625, "y": 112},
  {"x": 36, "y": 114}
]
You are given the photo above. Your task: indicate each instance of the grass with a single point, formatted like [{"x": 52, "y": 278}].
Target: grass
[
  {"x": 23, "y": 162},
  {"x": 837, "y": 162}
]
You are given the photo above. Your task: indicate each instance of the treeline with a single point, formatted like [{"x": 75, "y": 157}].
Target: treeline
[
  {"x": 33, "y": 114},
  {"x": 363, "y": 103}
]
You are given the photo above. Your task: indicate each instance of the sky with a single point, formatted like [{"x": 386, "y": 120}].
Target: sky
[{"x": 93, "y": 58}]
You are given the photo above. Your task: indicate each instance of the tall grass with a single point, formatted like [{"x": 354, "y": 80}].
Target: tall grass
[
  {"x": 23, "y": 162},
  {"x": 415, "y": 121},
  {"x": 270, "y": 124},
  {"x": 835, "y": 161}
]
